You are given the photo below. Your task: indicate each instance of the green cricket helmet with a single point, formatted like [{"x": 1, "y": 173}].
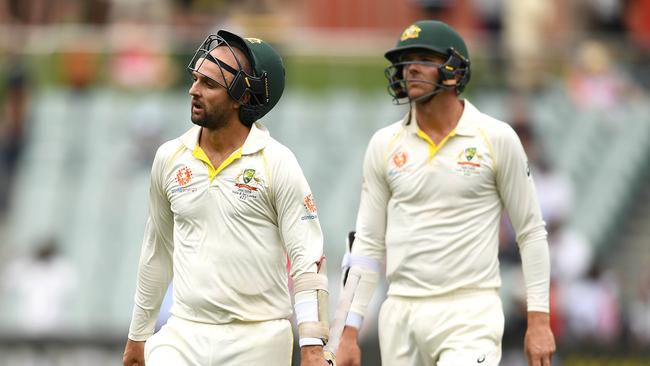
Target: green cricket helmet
[
  {"x": 435, "y": 37},
  {"x": 264, "y": 87}
]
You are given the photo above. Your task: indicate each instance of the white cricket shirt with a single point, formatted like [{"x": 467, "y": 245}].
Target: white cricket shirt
[
  {"x": 225, "y": 233},
  {"x": 433, "y": 211}
]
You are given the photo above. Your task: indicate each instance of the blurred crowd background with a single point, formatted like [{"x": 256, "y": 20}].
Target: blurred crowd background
[{"x": 89, "y": 89}]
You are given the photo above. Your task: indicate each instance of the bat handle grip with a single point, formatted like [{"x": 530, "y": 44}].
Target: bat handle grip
[{"x": 330, "y": 358}]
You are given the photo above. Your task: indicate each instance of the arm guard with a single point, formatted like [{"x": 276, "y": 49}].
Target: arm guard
[
  {"x": 306, "y": 283},
  {"x": 367, "y": 269}
]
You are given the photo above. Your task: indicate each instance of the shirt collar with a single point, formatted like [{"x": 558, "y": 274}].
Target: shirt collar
[
  {"x": 467, "y": 124},
  {"x": 257, "y": 138}
]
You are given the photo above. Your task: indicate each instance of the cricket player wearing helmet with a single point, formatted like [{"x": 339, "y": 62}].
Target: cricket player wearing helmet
[
  {"x": 435, "y": 184},
  {"x": 228, "y": 205}
]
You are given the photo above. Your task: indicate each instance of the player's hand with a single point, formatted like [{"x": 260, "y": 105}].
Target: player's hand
[
  {"x": 539, "y": 343},
  {"x": 133, "y": 353},
  {"x": 349, "y": 353},
  {"x": 312, "y": 356}
]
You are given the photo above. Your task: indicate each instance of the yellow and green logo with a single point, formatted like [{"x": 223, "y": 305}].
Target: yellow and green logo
[
  {"x": 413, "y": 31},
  {"x": 249, "y": 174},
  {"x": 470, "y": 152}
]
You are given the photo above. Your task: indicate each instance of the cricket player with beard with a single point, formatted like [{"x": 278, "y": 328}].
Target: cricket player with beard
[{"x": 228, "y": 206}]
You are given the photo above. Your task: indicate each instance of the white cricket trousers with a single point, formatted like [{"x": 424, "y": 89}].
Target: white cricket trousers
[
  {"x": 185, "y": 343},
  {"x": 464, "y": 328}
]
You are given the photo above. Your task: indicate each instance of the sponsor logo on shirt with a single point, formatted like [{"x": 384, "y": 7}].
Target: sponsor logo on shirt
[
  {"x": 467, "y": 161},
  {"x": 247, "y": 184},
  {"x": 183, "y": 178},
  {"x": 400, "y": 158},
  {"x": 398, "y": 161},
  {"x": 310, "y": 207}
]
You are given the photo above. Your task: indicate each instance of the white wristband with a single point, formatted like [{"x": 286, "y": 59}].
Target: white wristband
[
  {"x": 306, "y": 311},
  {"x": 310, "y": 342}
]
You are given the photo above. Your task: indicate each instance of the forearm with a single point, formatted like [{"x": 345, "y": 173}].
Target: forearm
[
  {"x": 536, "y": 268},
  {"x": 145, "y": 314},
  {"x": 154, "y": 276}
]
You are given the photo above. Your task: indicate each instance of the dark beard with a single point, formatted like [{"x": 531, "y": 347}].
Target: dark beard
[{"x": 211, "y": 121}]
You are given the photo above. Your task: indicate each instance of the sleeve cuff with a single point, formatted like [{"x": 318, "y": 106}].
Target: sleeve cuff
[
  {"x": 354, "y": 320},
  {"x": 138, "y": 338},
  {"x": 143, "y": 324},
  {"x": 540, "y": 308}
]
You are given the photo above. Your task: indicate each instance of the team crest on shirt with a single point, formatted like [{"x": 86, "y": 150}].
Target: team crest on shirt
[
  {"x": 470, "y": 152},
  {"x": 248, "y": 175},
  {"x": 468, "y": 161},
  {"x": 247, "y": 184},
  {"x": 310, "y": 208}
]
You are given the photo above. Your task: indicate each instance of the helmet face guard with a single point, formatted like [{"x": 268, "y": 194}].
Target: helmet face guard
[
  {"x": 435, "y": 37},
  {"x": 453, "y": 74},
  {"x": 242, "y": 84}
]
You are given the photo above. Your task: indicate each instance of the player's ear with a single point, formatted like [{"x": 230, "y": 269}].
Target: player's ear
[{"x": 243, "y": 101}]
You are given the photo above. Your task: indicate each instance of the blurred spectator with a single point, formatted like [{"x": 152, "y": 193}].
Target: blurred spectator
[
  {"x": 571, "y": 253},
  {"x": 138, "y": 67},
  {"x": 39, "y": 287},
  {"x": 4, "y": 12},
  {"x": 80, "y": 68},
  {"x": 12, "y": 128},
  {"x": 53, "y": 11},
  {"x": 639, "y": 312},
  {"x": 141, "y": 61},
  {"x": 591, "y": 17},
  {"x": 528, "y": 26},
  {"x": 591, "y": 308},
  {"x": 637, "y": 21},
  {"x": 141, "y": 11},
  {"x": 556, "y": 198},
  {"x": 594, "y": 81},
  {"x": 462, "y": 14},
  {"x": 490, "y": 12},
  {"x": 571, "y": 259},
  {"x": 146, "y": 134},
  {"x": 554, "y": 189}
]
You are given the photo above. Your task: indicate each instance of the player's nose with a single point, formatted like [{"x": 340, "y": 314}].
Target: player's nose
[
  {"x": 194, "y": 89},
  {"x": 411, "y": 69}
]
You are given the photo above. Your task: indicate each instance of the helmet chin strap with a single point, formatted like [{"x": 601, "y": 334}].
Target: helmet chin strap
[{"x": 439, "y": 88}]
